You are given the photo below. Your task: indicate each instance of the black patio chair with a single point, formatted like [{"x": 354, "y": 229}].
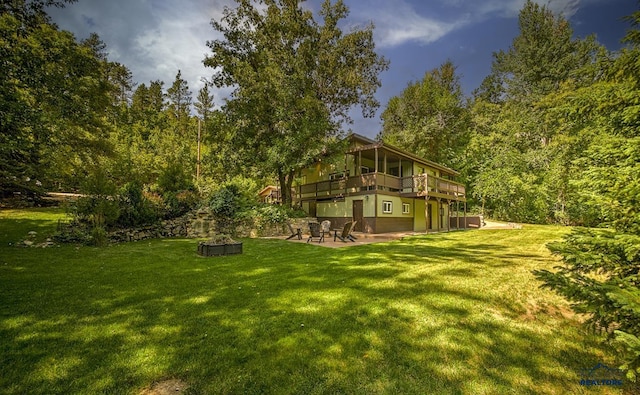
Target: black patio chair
[
  {"x": 346, "y": 233},
  {"x": 315, "y": 231},
  {"x": 297, "y": 232}
]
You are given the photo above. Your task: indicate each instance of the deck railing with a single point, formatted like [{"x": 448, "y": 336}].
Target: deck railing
[
  {"x": 423, "y": 184},
  {"x": 418, "y": 185}
]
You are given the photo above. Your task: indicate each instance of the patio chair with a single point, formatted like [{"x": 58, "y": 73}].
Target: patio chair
[
  {"x": 346, "y": 233},
  {"x": 297, "y": 232},
  {"x": 315, "y": 231},
  {"x": 325, "y": 226}
]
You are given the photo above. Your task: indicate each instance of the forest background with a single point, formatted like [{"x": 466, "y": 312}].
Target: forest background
[
  {"x": 550, "y": 136},
  {"x": 524, "y": 142}
]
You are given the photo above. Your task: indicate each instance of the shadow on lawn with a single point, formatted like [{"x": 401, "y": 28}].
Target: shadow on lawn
[
  {"x": 16, "y": 230},
  {"x": 281, "y": 318}
]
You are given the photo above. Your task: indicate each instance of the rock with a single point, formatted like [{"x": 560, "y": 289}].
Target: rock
[{"x": 28, "y": 243}]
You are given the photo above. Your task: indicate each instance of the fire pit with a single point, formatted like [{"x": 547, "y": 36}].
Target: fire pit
[{"x": 219, "y": 245}]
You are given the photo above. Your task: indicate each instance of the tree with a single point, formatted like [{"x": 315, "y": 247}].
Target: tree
[
  {"x": 540, "y": 58},
  {"x": 294, "y": 81},
  {"x": 429, "y": 117},
  {"x": 600, "y": 268},
  {"x": 156, "y": 96},
  {"x": 179, "y": 103},
  {"x": 204, "y": 104},
  {"x": 29, "y": 12},
  {"x": 511, "y": 114},
  {"x": 54, "y": 95}
]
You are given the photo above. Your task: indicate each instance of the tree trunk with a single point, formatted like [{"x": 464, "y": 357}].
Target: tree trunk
[
  {"x": 286, "y": 182},
  {"x": 287, "y": 187}
]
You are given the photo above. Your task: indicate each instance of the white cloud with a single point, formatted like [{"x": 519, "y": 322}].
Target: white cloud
[
  {"x": 566, "y": 8},
  {"x": 153, "y": 38},
  {"x": 402, "y": 21},
  {"x": 398, "y": 22},
  {"x": 511, "y": 8}
]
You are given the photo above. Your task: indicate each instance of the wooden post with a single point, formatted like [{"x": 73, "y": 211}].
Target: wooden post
[
  {"x": 376, "y": 159},
  {"x": 465, "y": 215},
  {"x": 198, "y": 160},
  {"x": 376, "y": 173},
  {"x": 384, "y": 161},
  {"x": 344, "y": 175},
  {"x": 426, "y": 212}
]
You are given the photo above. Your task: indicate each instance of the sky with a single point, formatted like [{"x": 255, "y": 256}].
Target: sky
[{"x": 156, "y": 38}]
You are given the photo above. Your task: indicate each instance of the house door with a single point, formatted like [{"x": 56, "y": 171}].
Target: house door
[
  {"x": 313, "y": 211},
  {"x": 358, "y": 215},
  {"x": 430, "y": 209}
]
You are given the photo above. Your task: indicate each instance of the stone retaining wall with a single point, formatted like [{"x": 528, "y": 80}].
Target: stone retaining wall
[{"x": 202, "y": 224}]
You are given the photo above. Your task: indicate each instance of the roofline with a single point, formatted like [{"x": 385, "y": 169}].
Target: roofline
[
  {"x": 381, "y": 144},
  {"x": 267, "y": 187}
]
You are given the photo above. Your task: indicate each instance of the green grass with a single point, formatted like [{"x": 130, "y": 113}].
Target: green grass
[{"x": 450, "y": 313}]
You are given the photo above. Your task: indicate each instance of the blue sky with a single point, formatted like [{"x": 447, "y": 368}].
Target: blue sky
[{"x": 155, "y": 38}]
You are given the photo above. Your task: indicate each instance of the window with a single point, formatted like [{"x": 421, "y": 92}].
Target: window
[
  {"x": 338, "y": 176},
  {"x": 387, "y": 207},
  {"x": 406, "y": 208}
]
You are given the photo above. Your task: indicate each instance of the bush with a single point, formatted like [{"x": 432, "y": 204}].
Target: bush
[
  {"x": 73, "y": 234},
  {"x": 99, "y": 236},
  {"x": 225, "y": 204},
  {"x": 97, "y": 211},
  {"x": 274, "y": 214},
  {"x": 179, "y": 203},
  {"x": 174, "y": 179},
  {"x": 135, "y": 208}
]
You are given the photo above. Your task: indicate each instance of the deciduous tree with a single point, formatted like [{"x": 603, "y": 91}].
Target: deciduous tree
[
  {"x": 294, "y": 79},
  {"x": 429, "y": 117},
  {"x": 54, "y": 94}
]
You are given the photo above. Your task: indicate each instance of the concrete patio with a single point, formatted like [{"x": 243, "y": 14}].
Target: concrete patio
[
  {"x": 361, "y": 238},
  {"x": 368, "y": 238}
]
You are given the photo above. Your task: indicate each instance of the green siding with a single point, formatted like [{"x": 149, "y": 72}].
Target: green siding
[
  {"x": 396, "y": 203},
  {"x": 419, "y": 218},
  {"x": 344, "y": 209}
]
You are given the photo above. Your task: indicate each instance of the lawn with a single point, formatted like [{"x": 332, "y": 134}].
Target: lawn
[{"x": 449, "y": 313}]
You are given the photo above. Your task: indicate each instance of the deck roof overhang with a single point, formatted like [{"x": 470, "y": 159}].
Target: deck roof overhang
[{"x": 368, "y": 151}]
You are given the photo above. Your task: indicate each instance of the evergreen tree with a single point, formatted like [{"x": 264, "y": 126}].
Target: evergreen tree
[
  {"x": 179, "y": 104},
  {"x": 600, "y": 268}
]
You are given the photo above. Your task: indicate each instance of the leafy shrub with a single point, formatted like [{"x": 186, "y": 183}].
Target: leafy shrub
[
  {"x": 73, "y": 234},
  {"x": 98, "y": 236},
  {"x": 179, "y": 203},
  {"x": 135, "y": 208},
  {"x": 102, "y": 211},
  {"x": 174, "y": 179},
  {"x": 225, "y": 204},
  {"x": 99, "y": 207},
  {"x": 275, "y": 214}
]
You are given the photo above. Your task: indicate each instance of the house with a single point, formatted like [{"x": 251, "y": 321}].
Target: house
[
  {"x": 270, "y": 194},
  {"x": 384, "y": 189}
]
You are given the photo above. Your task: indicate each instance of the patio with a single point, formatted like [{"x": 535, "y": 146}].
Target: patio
[{"x": 361, "y": 238}]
